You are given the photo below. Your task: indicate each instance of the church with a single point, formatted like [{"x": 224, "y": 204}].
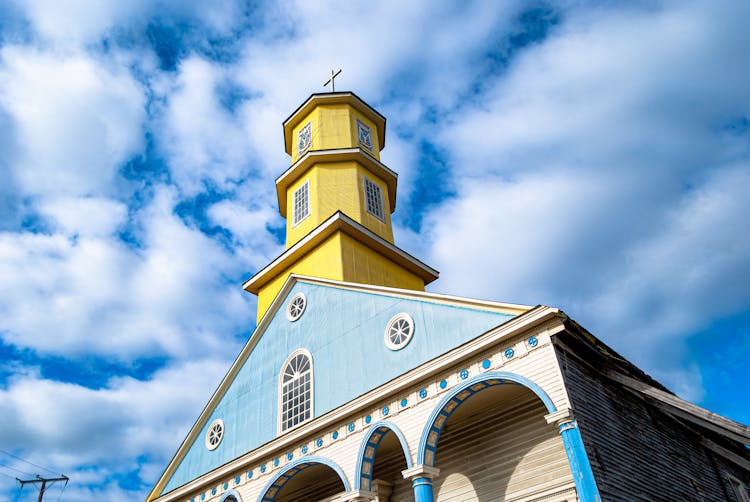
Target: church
[{"x": 357, "y": 385}]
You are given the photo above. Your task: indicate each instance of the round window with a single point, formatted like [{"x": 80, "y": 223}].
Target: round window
[
  {"x": 296, "y": 307},
  {"x": 398, "y": 331},
  {"x": 215, "y": 434}
]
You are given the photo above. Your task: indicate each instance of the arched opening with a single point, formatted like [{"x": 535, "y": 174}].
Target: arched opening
[
  {"x": 382, "y": 456},
  {"x": 230, "y": 496},
  {"x": 490, "y": 440},
  {"x": 305, "y": 480}
]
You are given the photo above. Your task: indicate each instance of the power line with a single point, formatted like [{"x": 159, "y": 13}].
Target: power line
[
  {"x": 17, "y": 470},
  {"x": 24, "y": 460}
]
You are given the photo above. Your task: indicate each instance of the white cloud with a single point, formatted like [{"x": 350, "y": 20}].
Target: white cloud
[
  {"x": 87, "y": 216},
  {"x": 90, "y": 434},
  {"x": 203, "y": 141},
  {"x": 75, "y": 119},
  {"x": 597, "y": 177},
  {"x": 93, "y": 294},
  {"x": 76, "y": 23}
]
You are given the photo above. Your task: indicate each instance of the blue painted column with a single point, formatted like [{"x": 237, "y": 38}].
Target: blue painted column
[
  {"x": 583, "y": 476},
  {"x": 422, "y": 489},
  {"x": 421, "y": 481}
]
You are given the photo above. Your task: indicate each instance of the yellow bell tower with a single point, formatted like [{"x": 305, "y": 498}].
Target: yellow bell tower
[{"x": 337, "y": 198}]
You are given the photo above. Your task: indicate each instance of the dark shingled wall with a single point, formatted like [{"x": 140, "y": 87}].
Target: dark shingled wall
[{"x": 638, "y": 452}]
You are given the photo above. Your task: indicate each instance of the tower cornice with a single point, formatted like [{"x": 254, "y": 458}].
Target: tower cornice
[
  {"x": 339, "y": 222},
  {"x": 333, "y": 98},
  {"x": 313, "y": 157}
]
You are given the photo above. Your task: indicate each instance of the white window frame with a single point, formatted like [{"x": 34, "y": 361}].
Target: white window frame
[
  {"x": 293, "y": 309},
  {"x": 281, "y": 422},
  {"x": 306, "y": 187},
  {"x": 401, "y": 317},
  {"x": 379, "y": 195},
  {"x": 220, "y": 423}
]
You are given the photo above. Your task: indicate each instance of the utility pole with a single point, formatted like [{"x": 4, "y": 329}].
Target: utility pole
[{"x": 43, "y": 481}]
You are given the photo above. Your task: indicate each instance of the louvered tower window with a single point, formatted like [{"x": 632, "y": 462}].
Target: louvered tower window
[
  {"x": 301, "y": 203},
  {"x": 374, "y": 199},
  {"x": 296, "y": 390}
]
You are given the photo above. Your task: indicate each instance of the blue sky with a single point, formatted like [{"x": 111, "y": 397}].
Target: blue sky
[{"x": 587, "y": 155}]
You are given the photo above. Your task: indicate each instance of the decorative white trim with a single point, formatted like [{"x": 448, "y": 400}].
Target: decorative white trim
[
  {"x": 532, "y": 319},
  {"x": 560, "y": 417},
  {"x": 280, "y": 389},
  {"x": 421, "y": 471},
  {"x": 403, "y": 324},
  {"x": 296, "y": 307},
  {"x": 215, "y": 434},
  {"x": 359, "y": 496}
]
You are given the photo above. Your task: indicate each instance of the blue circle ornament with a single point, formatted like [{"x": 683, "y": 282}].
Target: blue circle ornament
[
  {"x": 350, "y": 427},
  {"x": 249, "y": 474},
  {"x": 385, "y": 411},
  {"x": 263, "y": 468},
  {"x": 422, "y": 393},
  {"x": 464, "y": 374},
  {"x": 203, "y": 496},
  {"x": 226, "y": 485},
  {"x": 213, "y": 491},
  {"x": 404, "y": 402},
  {"x": 509, "y": 353},
  {"x": 289, "y": 455},
  {"x": 533, "y": 341},
  {"x": 276, "y": 462},
  {"x": 335, "y": 434},
  {"x": 237, "y": 480},
  {"x": 368, "y": 419},
  {"x": 319, "y": 442},
  {"x": 486, "y": 364},
  {"x": 443, "y": 384},
  {"x": 304, "y": 449}
]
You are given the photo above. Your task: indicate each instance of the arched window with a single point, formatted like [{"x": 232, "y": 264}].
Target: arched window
[{"x": 296, "y": 390}]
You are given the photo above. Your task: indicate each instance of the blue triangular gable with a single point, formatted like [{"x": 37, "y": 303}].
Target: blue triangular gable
[{"x": 343, "y": 329}]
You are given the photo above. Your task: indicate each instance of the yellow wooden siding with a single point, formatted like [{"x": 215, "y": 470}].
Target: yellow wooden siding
[
  {"x": 381, "y": 227},
  {"x": 337, "y": 186},
  {"x": 324, "y": 261},
  {"x": 333, "y": 127},
  {"x": 362, "y": 264}
]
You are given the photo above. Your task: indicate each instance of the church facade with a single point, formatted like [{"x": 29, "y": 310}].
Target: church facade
[{"x": 357, "y": 385}]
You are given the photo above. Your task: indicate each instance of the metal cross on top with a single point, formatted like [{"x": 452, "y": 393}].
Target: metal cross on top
[{"x": 330, "y": 80}]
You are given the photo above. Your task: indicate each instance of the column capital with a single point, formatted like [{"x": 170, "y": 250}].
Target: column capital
[
  {"x": 560, "y": 417},
  {"x": 358, "y": 496},
  {"x": 421, "y": 471}
]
